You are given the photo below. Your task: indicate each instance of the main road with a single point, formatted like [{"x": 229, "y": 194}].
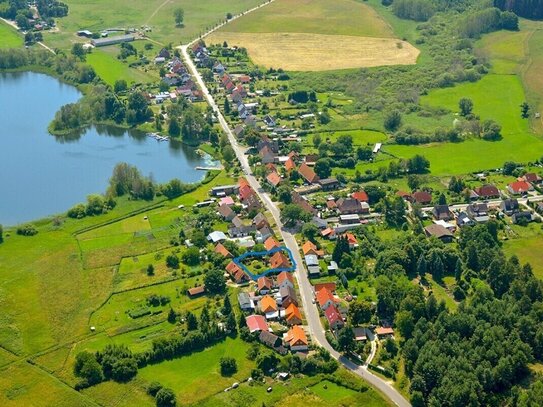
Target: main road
[{"x": 311, "y": 312}]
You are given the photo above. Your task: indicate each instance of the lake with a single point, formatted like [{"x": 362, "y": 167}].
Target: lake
[{"x": 42, "y": 175}]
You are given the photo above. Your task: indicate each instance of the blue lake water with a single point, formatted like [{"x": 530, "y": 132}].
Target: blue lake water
[{"x": 41, "y": 175}]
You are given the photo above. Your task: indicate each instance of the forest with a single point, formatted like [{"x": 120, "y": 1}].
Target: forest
[{"x": 523, "y": 8}]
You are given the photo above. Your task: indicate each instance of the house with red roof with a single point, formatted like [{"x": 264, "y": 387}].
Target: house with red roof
[
  {"x": 290, "y": 165},
  {"x": 274, "y": 179},
  {"x": 236, "y": 273},
  {"x": 329, "y": 286},
  {"x": 335, "y": 321},
  {"x": 256, "y": 323},
  {"x": 422, "y": 197},
  {"x": 487, "y": 191},
  {"x": 351, "y": 239},
  {"x": 360, "y": 196},
  {"x": 519, "y": 187}
]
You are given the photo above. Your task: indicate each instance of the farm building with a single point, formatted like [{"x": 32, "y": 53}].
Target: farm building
[{"x": 104, "y": 42}]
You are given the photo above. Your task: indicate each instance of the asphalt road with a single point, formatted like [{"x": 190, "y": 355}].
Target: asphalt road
[{"x": 311, "y": 312}]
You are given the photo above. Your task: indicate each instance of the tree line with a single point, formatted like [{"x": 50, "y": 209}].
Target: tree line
[{"x": 524, "y": 8}]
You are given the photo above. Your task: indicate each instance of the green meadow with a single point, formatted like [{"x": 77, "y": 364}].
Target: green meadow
[
  {"x": 110, "y": 69},
  {"x": 518, "y": 143},
  {"x": 9, "y": 37}
]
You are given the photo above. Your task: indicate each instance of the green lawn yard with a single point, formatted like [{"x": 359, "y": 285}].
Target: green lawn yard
[
  {"x": 110, "y": 69},
  {"x": 9, "y": 37}
]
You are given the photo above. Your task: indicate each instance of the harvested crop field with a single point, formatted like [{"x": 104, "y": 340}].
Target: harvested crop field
[{"x": 319, "y": 52}]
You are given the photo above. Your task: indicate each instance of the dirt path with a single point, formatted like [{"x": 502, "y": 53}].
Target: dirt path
[{"x": 156, "y": 11}]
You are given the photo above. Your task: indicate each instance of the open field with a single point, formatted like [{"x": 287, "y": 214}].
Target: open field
[
  {"x": 97, "y": 15},
  {"x": 518, "y": 143},
  {"x": 110, "y": 69},
  {"x": 333, "y": 17},
  {"x": 9, "y": 38},
  {"x": 318, "y": 52},
  {"x": 527, "y": 247}
]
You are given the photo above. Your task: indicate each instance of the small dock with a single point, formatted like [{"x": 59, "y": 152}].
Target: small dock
[
  {"x": 158, "y": 137},
  {"x": 209, "y": 168}
]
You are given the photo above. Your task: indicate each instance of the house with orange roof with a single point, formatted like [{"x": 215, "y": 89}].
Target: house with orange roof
[
  {"x": 384, "y": 332},
  {"x": 290, "y": 165},
  {"x": 307, "y": 173},
  {"x": 311, "y": 248},
  {"x": 325, "y": 298},
  {"x": 285, "y": 278},
  {"x": 296, "y": 339},
  {"x": 329, "y": 233},
  {"x": 274, "y": 179},
  {"x": 351, "y": 239},
  {"x": 329, "y": 286},
  {"x": 293, "y": 315},
  {"x": 223, "y": 250},
  {"x": 271, "y": 243},
  {"x": 279, "y": 260},
  {"x": 242, "y": 182},
  {"x": 269, "y": 307},
  {"x": 264, "y": 285}
]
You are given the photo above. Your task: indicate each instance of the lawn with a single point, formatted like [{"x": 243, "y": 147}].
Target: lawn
[
  {"x": 528, "y": 246},
  {"x": 337, "y": 17},
  {"x": 9, "y": 37},
  {"x": 518, "y": 143},
  {"x": 97, "y": 15},
  {"x": 197, "y": 376},
  {"x": 110, "y": 69}
]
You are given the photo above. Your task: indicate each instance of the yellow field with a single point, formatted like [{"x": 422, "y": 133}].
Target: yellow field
[{"x": 319, "y": 52}]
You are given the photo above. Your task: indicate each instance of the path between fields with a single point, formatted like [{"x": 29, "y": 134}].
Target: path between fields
[{"x": 156, "y": 11}]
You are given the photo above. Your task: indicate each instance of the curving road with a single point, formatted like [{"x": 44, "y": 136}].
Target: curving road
[{"x": 312, "y": 313}]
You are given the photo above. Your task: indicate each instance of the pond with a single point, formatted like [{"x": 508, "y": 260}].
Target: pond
[{"x": 41, "y": 175}]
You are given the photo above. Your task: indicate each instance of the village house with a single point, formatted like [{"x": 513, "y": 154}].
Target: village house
[
  {"x": 226, "y": 212},
  {"x": 273, "y": 179},
  {"x": 464, "y": 220},
  {"x": 288, "y": 296},
  {"x": 290, "y": 165},
  {"x": 237, "y": 222},
  {"x": 296, "y": 339},
  {"x": 224, "y": 190},
  {"x": 311, "y": 248},
  {"x": 311, "y": 260},
  {"x": 331, "y": 286},
  {"x": 532, "y": 178},
  {"x": 285, "y": 279},
  {"x": 351, "y": 239},
  {"x": 478, "y": 212},
  {"x": 270, "y": 243},
  {"x": 329, "y": 184},
  {"x": 267, "y": 155},
  {"x": 487, "y": 191},
  {"x": 245, "y": 302},
  {"x": 335, "y": 321},
  {"x": 227, "y": 200},
  {"x": 269, "y": 121},
  {"x": 268, "y": 306},
  {"x": 272, "y": 341},
  {"x": 293, "y": 316},
  {"x": 518, "y": 217},
  {"x": 509, "y": 206},
  {"x": 349, "y": 206},
  {"x": 329, "y": 234},
  {"x": 519, "y": 187},
  {"x": 222, "y": 250},
  {"x": 360, "y": 196},
  {"x": 256, "y": 323},
  {"x": 263, "y": 234},
  {"x": 442, "y": 212},
  {"x": 216, "y": 236},
  {"x": 242, "y": 231},
  {"x": 303, "y": 203},
  {"x": 325, "y": 298},
  {"x": 440, "y": 232},
  {"x": 264, "y": 285},
  {"x": 236, "y": 273},
  {"x": 260, "y": 221},
  {"x": 422, "y": 197},
  {"x": 279, "y": 261},
  {"x": 308, "y": 174},
  {"x": 349, "y": 219},
  {"x": 384, "y": 332}
]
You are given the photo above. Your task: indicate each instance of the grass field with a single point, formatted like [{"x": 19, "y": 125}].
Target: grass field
[
  {"x": 110, "y": 69},
  {"x": 518, "y": 143},
  {"x": 527, "y": 247},
  {"x": 9, "y": 38},
  {"x": 333, "y": 17},
  {"x": 97, "y": 15},
  {"x": 318, "y": 52},
  {"x": 317, "y": 35}
]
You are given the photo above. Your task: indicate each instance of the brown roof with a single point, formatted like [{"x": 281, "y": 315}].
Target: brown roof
[
  {"x": 532, "y": 177},
  {"x": 279, "y": 260},
  {"x": 329, "y": 286},
  {"x": 222, "y": 250},
  {"x": 384, "y": 331},
  {"x": 290, "y": 164},
  {"x": 197, "y": 290},
  {"x": 487, "y": 190},
  {"x": 264, "y": 282},
  {"x": 438, "y": 231},
  {"x": 307, "y": 172},
  {"x": 360, "y": 196},
  {"x": 422, "y": 197}
]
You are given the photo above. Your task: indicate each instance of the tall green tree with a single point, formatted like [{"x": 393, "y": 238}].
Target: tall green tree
[{"x": 179, "y": 16}]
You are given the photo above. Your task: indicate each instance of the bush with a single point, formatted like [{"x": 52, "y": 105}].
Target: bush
[
  {"x": 27, "y": 230},
  {"x": 228, "y": 366},
  {"x": 153, "y": 388},
  {"x": 165, "y": 398}
]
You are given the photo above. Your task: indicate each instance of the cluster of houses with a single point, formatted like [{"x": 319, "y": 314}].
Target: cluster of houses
[{"x": 274, "y": 300}]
